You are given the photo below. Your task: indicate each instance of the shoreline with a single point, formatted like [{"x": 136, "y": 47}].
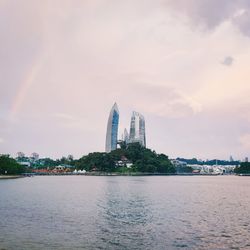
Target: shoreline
[
  {"x": 125, "y": 174},
  {"x": 6, "y": 177}
]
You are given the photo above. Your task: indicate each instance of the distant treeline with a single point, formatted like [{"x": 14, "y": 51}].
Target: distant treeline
[
  {"x": 209, "y": 162},
  {"x": 129, "y": 158},
  {"x": 9, "y": 166},
  {"x": 244, "y": 168}
]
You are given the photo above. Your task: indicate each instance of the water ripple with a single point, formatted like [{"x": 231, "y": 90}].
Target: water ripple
[{"x": 163, "y": 212}]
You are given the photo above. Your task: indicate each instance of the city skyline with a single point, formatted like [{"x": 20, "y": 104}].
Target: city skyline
[
  {"x": 183, "y": 64},
  {"x": 136, "y": 131}
]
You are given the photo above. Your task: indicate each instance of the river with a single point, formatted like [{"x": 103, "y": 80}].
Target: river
[{"x": 125, "y": 212}]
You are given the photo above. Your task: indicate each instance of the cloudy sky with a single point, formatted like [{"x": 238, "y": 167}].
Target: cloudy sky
[{"x": 184, "y": 64}]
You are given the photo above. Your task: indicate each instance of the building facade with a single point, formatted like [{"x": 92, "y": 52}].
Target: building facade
[
  {"x": 112, "y": 129},
  {"x": 137, "y": 129},
  {"x": 126, "y": 136}
]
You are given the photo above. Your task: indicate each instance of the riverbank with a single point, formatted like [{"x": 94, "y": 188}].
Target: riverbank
[
  {"x": 4, "y": 177},
  {"x": 121, "y": 174},
  {"x": 146, "y": 174}
]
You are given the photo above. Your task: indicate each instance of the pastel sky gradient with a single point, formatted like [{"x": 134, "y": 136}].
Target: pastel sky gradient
[{"x": 184, "y": 64}]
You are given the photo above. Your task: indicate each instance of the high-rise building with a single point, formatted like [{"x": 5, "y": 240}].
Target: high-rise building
[
  {"x": 231, "y": 158},
  {"x": 126, "y": 136},
  {"x": 137, "y": 129},
  {"x": 112, "y": 129},
  {"x": 20, "y": 154},
  {"x": 34, "y": 156}
]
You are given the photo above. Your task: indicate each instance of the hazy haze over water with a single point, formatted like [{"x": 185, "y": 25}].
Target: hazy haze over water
[{"x": 158, "y": 212}]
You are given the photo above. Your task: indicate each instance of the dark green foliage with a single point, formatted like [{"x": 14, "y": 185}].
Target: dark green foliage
[
  {"x": 50, "y": 163},
  {"x": 146, "y": 160},
  {"x": 191, "y": 161},
  {"x": 123, "y": 145},
  {"x": 117, "y": 154},
  {"x": 47, "y": 162},
  {"x": 134, "y": 152},
  {"x": 9, "y": 165},
  {"x": 143, "y": 160},
  {"x": 244, "y": 168},
  {"x": 23, "y": 158},
  {"x": 96, "y": 161}
]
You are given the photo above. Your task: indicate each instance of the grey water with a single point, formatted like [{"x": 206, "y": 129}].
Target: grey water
[{"x": 150, "y": 212}]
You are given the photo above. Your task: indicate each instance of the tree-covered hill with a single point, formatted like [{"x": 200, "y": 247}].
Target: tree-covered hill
[{"x": 142, "y": 159}]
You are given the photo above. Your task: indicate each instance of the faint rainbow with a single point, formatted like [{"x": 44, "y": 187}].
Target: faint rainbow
[{"x": 23, "y": 90}]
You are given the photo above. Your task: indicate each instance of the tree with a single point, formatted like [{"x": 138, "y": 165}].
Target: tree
[
  {"x": 134, "y": 152},
  {"x": 146, "y": 160},
  {"x": 9, "y": 165},
  {"x": 244, "y": 168},
  {"x": 117, "y": 154},
  {"x": 96, "y": 161}
]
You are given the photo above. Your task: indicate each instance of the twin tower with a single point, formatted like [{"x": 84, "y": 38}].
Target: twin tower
[{"x": 136, "y": 133}]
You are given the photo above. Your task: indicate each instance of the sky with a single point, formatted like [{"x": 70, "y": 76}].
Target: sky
[{"x": 183, "y": 64}]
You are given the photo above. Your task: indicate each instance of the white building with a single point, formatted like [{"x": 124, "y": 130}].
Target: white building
[{"x": 137, "y": 129}]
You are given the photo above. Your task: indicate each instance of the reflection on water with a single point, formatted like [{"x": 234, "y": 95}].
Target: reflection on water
[
  {"x": 126, "y": 216},
  {"x": 157, "y": 212}
]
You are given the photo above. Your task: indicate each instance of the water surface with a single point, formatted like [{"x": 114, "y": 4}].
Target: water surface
[{"x": 149, "y": 212}]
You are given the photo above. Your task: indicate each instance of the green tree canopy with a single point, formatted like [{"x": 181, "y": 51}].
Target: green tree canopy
[
  {"x": 244, "y": 168},
  {"x": 9, "y": 165},
  {"x": 143, "y": 160}
]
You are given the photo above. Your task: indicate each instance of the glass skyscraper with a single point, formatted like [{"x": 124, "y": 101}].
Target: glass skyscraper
[
  {"x": 137, "y": 129},
  {"x": 126, "y": 136},
  {"x": 112, "y": 129}
]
